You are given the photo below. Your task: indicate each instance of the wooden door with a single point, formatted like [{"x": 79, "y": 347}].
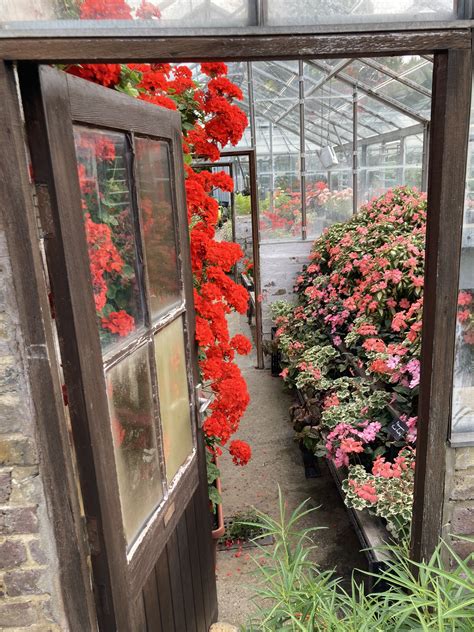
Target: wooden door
[{"x": 109, "y": 176}]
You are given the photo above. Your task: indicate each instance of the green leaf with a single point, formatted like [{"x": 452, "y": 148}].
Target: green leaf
[
  {"x": 212, "y": 472},
  {"x": 214, "y": 496}
]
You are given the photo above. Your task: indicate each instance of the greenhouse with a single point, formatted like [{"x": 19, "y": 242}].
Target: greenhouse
[
  {"x": 359, "y": 127},
  {"x": 237, "y": 315}
]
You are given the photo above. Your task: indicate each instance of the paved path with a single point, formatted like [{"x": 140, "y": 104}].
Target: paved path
[{"x": 276, "y": 460}]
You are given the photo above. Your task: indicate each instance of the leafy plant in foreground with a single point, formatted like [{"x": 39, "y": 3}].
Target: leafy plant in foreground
[{"x": 296, "y": 595}]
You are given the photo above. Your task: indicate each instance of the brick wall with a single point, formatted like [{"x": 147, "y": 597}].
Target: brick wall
[
  {"x": 30, "y": 597},
  {"x": 459, "y": 497}
]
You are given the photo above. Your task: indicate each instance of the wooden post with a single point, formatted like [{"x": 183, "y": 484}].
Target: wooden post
[
  {"x": 355, "y": 156},
  {"x": 446, "y": 181}
]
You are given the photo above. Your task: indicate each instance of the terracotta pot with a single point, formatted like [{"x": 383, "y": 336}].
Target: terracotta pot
[{"x": 218, "y": 532}]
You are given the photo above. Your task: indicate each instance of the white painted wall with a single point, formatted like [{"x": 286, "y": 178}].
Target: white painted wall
[{"x": 280, "y": 264}]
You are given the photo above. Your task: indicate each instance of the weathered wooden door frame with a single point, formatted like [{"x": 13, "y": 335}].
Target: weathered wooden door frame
[
  {"x": 448, "y": 155},
  {"x": 53, "y": 102}
]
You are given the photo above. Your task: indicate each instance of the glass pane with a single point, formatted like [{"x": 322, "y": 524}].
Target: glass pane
[
  {"x": 284, "y": 12},
  {"x": 154, "y": 13},
  {"x": 158, "y": 223},
  {"x": 110, "y": 232},
  {"x": 463, "y": 393},
  {"x": 136, "y": 455},
  {"x": 221, "y": 13},
  {"x": 173, "y": 392}
]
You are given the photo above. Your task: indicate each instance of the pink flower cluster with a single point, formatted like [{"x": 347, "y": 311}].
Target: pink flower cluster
[
  {"x": 346, "y": 439},
  {"x": 385, "y": 469}
]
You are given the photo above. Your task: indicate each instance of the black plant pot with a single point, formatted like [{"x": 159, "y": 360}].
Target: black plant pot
[{"x": 310, "y": 463}]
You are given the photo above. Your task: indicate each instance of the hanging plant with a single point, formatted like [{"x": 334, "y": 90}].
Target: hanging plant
[{"x": 210, "y": 120}]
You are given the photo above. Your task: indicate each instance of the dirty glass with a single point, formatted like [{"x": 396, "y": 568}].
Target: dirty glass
[
  {"x": 130, "y": 399},
  {"x": 278, "y": 141},
  {"x": 284, "y": 12},
  {"x": 463, "y": 384},
  {"x": 222, "y": 13},
  {"x": 158, "y": 219},
  {"x": 154, "y": 13},
  {"x": 173, "y": 392},
  {"x": 109, "y": 225},
  {"x": 328, "y": 144}
]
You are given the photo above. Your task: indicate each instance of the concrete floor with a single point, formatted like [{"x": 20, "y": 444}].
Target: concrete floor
[{"x": 276, "y": 460}]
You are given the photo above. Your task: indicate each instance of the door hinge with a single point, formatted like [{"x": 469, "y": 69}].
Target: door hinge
[
  {"x": 45, "y": 220},
  {"x": 65, "y": 394},
  {"x": 93, "y": 535}
]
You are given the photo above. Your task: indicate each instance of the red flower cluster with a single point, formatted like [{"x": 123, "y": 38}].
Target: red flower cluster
[
  {"x": 105, "y": 10},
  {"x": 107, "y": 75},
  {"x": 241, "y": 344},
  {"x": 104, "y": 258},
  {"x": 240, "y": 451},
  {"x": 466, "y": 315},
  {"x": 119, "y": 323},
  {"x": 210, "y": 121},
  {"x": 215, "y": 295},
  {"x": 214, "y": 68},
  {"x": 148, "y": 11}
]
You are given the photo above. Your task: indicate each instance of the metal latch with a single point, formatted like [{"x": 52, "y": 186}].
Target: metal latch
[{"x": 204, "y": 397}]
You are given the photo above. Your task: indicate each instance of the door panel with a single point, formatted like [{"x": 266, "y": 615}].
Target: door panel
[{"x": 118, "y": 258}]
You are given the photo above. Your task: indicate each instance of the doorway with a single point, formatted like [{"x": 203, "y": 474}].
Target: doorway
[{"x": 440, "y": 70}]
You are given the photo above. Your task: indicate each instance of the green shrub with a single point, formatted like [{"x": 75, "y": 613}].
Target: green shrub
[{"x": 242, "y": 204}]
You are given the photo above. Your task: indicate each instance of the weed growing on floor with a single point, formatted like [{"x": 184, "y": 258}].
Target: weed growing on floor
[
  {"x": 296, "y": 595},
  {"x": 245, "y": 526}
]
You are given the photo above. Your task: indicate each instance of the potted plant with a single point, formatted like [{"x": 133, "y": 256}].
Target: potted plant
[{"x": 215, "y": 498}]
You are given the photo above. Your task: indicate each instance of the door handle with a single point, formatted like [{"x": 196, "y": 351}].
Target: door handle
[
  {"x": 204, "y": 403},
  {"x": 204, "y": 400}
]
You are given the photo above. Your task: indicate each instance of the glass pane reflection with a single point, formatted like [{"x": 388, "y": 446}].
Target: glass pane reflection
[
  {"x": 463, "y": 391},
  {"x": 110, "y": 232},
  {"x": 215, "y": 13},
  {"x": 135, "y": 445},
  {"x": 158, "y": 222},
  {"x": 174, "y": 396}
]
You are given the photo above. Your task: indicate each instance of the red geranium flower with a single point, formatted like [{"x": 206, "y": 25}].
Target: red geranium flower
[
  {"x": 105, "y": 10},
  {"x": 241, "y": 344},
  {"x": 119, "y": 323},
  {"x": 214, "y": 68},
  {"x": 241, "y": 452},
  {"x": 107, "y": 75}
]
